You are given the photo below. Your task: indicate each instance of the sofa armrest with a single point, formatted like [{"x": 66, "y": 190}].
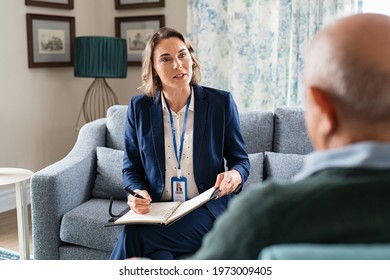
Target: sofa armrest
[
  {"x": 316, "y": 251},
  {"x": 62, "y": 186}
]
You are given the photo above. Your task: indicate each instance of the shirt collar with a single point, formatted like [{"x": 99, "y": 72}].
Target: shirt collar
[{"x": 368, "y": 155}]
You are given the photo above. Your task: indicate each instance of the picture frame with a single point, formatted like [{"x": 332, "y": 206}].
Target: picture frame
[
  {"x": 138, "y": 4},
  {"x": 50, "y": 40},
  {"x": 60, "y": 4},
  {"x": 137, "y": 31}
]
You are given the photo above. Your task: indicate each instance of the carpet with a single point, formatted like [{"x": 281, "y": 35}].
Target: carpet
[{"x": 6, "y": 254}]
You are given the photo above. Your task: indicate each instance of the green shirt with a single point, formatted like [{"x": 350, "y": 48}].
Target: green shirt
[{"x": 335, "y": 205}]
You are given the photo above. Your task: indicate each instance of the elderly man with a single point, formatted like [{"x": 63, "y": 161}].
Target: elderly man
[{"x": 342, "y": 193}]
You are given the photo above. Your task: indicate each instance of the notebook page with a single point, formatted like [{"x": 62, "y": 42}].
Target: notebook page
[
  {"x": 157, "y": 214},
  {"x": 189, "y": 205}
]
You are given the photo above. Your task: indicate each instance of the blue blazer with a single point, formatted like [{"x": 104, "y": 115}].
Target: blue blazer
[{"x": 216, "y": 136}]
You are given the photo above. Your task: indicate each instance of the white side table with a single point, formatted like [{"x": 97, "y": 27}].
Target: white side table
[{"x": 20, "y": 178}]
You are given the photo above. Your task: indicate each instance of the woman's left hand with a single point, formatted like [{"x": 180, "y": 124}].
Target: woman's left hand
[{"x": 227, "y": 182}]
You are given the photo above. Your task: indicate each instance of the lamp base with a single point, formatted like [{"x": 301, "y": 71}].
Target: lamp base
[{"x": 98, "y": 99}]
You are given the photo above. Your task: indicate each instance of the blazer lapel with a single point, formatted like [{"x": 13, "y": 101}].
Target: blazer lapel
[
  {"x": 200, "y": 117},
  {"x": 157, "y": 127}
]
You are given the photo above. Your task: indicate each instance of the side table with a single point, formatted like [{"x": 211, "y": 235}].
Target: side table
[{"x": 20, "y": 178}]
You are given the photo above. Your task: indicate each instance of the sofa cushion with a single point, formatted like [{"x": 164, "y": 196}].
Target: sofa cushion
[
  {"x": 84, "y": 225},
  {"x": 256, "y": 172},
  {"x": 257, "y": 129},
  {"x": 290, "y": 135},
  {"x": 116, "y": 120},
  {"x": 109, "y": 180},
  {"x": 74, "y": 252},
  {"x": 282, "y": 167}
]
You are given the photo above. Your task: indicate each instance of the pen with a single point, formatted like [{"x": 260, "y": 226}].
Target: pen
[
  {"x": 133, "y": 193},
  {"x": 214, "y": 194}
]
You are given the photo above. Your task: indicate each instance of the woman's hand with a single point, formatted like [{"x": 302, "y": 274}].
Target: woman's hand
[
  {"x": 227, "y": 182},
  {"x": 140, "y": 205}
]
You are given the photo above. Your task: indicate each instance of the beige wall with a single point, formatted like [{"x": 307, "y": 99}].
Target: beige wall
[{"x": 39, "y": 107}]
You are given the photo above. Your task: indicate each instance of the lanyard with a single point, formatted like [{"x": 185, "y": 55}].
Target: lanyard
[{"x": 178, "y": 156}]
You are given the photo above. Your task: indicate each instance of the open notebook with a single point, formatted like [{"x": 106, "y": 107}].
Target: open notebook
[{"x": 164, "y": 213}]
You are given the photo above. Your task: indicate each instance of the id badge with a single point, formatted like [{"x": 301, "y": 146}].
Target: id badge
[{"x": 179, "y": 189}]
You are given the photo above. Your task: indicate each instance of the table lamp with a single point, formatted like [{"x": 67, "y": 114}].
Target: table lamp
[{"x": 99, "y": 57}]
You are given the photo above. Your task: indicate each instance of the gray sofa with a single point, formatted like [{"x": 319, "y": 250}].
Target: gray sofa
[{"x": 70, "y": 198}]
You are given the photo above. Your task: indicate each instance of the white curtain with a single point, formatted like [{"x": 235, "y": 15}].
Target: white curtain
[{"x": 254, "y": 48}]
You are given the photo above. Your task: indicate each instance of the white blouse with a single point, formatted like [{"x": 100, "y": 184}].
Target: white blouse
[{"x": 171, "y": 163}]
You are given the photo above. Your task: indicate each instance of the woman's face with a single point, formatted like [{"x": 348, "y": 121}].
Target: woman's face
[{"x": 173, "y": 63}]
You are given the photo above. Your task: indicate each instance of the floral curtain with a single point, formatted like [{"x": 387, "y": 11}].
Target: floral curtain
[{"x": 254, "y": 48}]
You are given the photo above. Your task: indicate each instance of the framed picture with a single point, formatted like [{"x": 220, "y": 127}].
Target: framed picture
[
  {"x": 50, "y": 40},
  {"x": 60, "y": 4},
  {"x": 137, "y": 4},
  {"x": 137, "y": 31}
]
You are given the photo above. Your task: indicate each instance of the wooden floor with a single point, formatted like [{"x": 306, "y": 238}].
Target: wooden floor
[{"x": 9, "y": 231}]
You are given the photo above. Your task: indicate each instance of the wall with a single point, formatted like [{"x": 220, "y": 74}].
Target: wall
[{"x": 39, "y": 106}]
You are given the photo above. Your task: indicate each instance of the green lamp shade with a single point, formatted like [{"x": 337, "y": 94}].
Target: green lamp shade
[{"x": 100, "y": 57}]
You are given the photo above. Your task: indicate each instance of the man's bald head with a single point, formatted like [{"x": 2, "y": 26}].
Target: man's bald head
[{"x": 350, "y": 60}]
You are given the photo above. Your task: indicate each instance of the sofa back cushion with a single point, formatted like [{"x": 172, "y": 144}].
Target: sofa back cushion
[
  {"x": 257, "y": 129},
  {"x": 290, "y": 135},
  {"x": 116, "y": 119}
]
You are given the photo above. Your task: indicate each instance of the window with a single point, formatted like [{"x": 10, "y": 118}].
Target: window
[{"x": 376, "y": 6}]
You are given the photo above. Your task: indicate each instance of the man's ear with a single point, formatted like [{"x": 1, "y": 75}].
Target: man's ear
[{"x": 327, "y": 118}]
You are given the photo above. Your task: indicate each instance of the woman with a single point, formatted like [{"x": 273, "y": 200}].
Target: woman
[{"x": 178, "y": 134}]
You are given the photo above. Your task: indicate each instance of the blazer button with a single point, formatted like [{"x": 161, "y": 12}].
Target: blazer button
[{"x": 201, "y": 187}]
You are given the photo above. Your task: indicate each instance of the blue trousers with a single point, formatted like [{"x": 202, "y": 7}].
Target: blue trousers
[{"x": 157, "y": 242}]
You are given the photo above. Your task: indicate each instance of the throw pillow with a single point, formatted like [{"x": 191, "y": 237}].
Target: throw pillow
[
  {"x": 256, "y": 172},
  {"x": 282, "y": 167},
  {"x": 109, "y": 181}
]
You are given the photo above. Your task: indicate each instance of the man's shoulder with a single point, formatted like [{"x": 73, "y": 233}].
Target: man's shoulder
[
  {"x": 325, "y": 183},
  {"x": 275, "y": 188}
]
